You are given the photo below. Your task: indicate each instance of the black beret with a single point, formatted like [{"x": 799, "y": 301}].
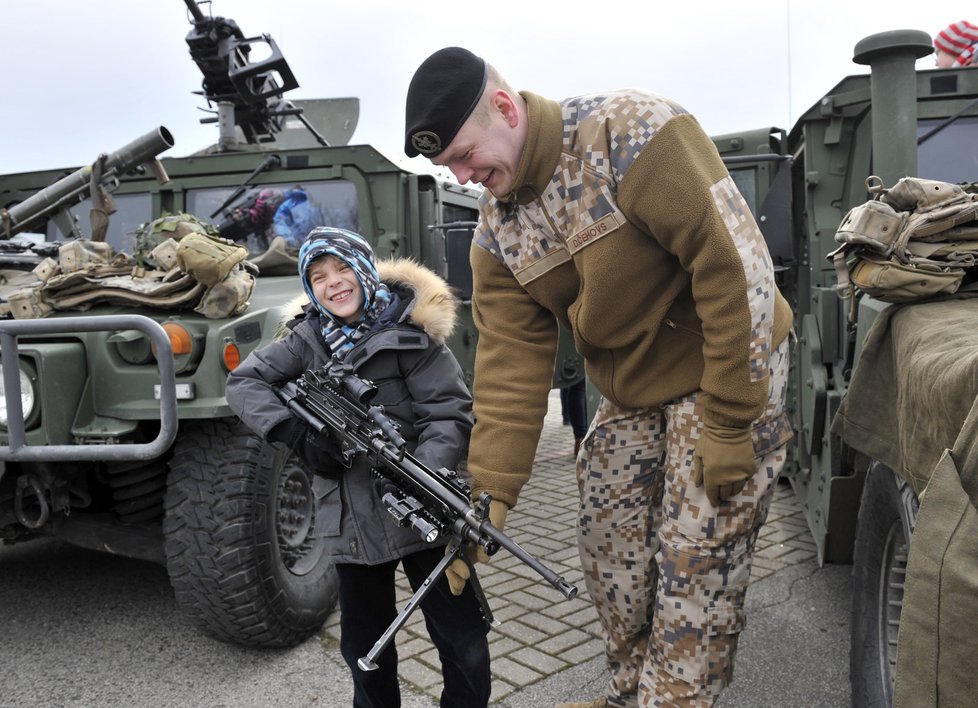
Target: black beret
[{"x": 444, "y": 91}]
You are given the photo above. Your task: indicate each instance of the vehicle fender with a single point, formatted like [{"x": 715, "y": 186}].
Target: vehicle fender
[{"x": 939, "y": 622}]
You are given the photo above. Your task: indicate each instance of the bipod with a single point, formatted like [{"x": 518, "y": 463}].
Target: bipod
[{"x": 456, "y": 549}]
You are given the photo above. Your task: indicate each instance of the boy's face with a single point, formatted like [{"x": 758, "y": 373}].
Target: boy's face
[{"x": 336, "y": 287}]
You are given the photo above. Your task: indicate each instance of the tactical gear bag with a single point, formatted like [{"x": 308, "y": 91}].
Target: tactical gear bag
[
  {"x": 208, "y": 258},
  {"x": 200, "y": 271},
  {"x": 916, "y": 240},
  {"x": 169, "y": 226}
]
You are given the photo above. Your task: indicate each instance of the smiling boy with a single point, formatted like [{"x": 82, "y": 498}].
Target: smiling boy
[{"x": 390, "y": 322}]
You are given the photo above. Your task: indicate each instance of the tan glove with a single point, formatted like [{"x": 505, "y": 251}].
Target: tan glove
[
  {"x": 723, "y": 461},
  {"x": 458, "y": 572}
]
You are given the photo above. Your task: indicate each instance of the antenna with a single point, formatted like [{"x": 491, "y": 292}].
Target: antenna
[{"x": 787, "y": 22}]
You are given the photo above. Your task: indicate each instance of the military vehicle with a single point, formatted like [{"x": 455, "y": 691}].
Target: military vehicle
[
  {"x": 120, "y": 439},
  {"x": 892, "y": 122},
  {"x": 115, "y": 432}
]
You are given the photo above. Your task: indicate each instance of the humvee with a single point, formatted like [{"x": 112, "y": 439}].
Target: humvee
[
  {"x": 115, "y": 434},
  {"x": 915, "y": 559}
]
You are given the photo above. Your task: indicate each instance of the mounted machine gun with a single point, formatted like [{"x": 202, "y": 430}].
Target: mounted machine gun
[{"x": 247, "y": 93}]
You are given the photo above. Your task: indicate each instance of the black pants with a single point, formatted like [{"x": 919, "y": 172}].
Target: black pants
[
  {"x": 455, "y": 625},
  {"x": 573, "y": 407}
]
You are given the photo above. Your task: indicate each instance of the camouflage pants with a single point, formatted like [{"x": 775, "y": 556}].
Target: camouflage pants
[{"x": 666, "y": 570}]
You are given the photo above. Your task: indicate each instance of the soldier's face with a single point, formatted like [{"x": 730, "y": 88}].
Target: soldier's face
[
  {"x": 486, "y": 150},
  {"x": 336, "y": 287}
]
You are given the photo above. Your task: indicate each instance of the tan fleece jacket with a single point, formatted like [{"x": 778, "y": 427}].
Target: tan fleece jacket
[{"x": 626, "y": 227}]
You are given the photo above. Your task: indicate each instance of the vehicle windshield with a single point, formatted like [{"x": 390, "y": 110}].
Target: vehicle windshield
[
  {"x": 950, "y": 155},
  {"x": 263, "y": 212},
  {"x": 746, "y": 180},
  {"x": 287, "y": 210}
]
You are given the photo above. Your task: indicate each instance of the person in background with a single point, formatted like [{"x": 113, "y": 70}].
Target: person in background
[
  {"x": 613, "y": 215},
  {"x": 573, "y": 410},
  {"x": 957, "y": 45},
  {"x": 389, "y": 321}
]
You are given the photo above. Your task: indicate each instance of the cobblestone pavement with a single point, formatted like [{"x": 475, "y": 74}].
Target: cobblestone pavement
[{"x": 542, "y": 633}]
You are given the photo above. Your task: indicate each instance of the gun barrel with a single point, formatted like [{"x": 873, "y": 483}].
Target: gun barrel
[
  {"x": 459, "y": 505},
  {"x": 195, "y": 10},
  {"x": 141, "y": 150},
  {"x": 566, "y": 589}
]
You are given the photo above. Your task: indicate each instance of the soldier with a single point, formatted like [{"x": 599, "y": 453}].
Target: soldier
[{"x": 613, "y": 215}]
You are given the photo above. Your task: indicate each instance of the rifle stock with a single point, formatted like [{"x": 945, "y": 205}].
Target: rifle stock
[{"x": 436, "y": 503}]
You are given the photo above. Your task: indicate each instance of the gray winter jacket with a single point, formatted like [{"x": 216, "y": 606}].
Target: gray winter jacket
[{"x": 419, "y": 384}]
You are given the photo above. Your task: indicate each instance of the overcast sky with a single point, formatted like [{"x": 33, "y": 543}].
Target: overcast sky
[{"x": 81, "y": 77}]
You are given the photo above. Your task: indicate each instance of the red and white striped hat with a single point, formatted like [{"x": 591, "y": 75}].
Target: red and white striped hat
[{"x": 959, "y": 40}]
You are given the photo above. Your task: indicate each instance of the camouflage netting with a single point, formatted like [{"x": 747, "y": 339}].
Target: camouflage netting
[{"x": 180, "y": 263}]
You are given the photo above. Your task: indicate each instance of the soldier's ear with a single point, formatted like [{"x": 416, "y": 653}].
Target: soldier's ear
[{"x": 502, "y": 102}]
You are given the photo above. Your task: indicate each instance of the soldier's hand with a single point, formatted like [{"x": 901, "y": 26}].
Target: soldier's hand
[
  {"x": 723, "y": 461},
  {"x": 457, "y": 572}
]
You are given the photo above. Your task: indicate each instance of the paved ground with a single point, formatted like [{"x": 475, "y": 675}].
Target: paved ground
[
  {"x": 82, "y": 628},
  {"x": 543, "y": 635}
]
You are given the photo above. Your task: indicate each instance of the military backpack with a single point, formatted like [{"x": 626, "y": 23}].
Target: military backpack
[{"x": 918, "y": 239}]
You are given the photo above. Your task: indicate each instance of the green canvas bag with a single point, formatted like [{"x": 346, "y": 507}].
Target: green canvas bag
[{"x": 208, "y": 258}]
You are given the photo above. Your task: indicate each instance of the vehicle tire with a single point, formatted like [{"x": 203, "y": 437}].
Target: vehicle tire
[
  {"x": 242, "y": 552},
  {"x": 886, "y": 513}
]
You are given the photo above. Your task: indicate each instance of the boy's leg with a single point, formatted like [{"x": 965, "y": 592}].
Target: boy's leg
[
  {"x": 458, "y": 630},
  {"x": 367, "y": 607}
]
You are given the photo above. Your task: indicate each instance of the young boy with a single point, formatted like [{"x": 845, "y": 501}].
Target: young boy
[{"x": 392, "y": 325}]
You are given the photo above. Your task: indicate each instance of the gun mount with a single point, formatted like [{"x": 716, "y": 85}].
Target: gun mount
[{"x": 247, "y": 93}]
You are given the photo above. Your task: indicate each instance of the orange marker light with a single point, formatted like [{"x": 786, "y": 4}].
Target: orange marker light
[
  {"x": 179, "y": 338},
  {"x": 231, "y": 355}
]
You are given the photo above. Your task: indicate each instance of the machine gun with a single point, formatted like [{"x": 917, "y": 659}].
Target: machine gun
[
  {"x": 247, "y": 94},
  {"x": 435, "y": 503},
  {"x": 95, "y": 181}
]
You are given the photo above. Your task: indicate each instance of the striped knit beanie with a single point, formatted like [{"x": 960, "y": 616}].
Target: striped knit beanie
[
  {"x": 353, "y": 250},
  {"x": 960, "y": 40}
]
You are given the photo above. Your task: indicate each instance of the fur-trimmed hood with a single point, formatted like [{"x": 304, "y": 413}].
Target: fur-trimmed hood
[{"x": 434, "y": 308}]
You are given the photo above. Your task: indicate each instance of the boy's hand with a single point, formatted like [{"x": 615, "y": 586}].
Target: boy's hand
[
  {"x": 316, "y": 450},
  {"x": 458, "y": 572}
]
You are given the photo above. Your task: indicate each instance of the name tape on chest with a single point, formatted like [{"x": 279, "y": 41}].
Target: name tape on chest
[{"x": 591, "y": 233}]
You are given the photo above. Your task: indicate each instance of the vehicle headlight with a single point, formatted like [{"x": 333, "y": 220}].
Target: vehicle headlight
[{"x": 28, "y": 397}]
